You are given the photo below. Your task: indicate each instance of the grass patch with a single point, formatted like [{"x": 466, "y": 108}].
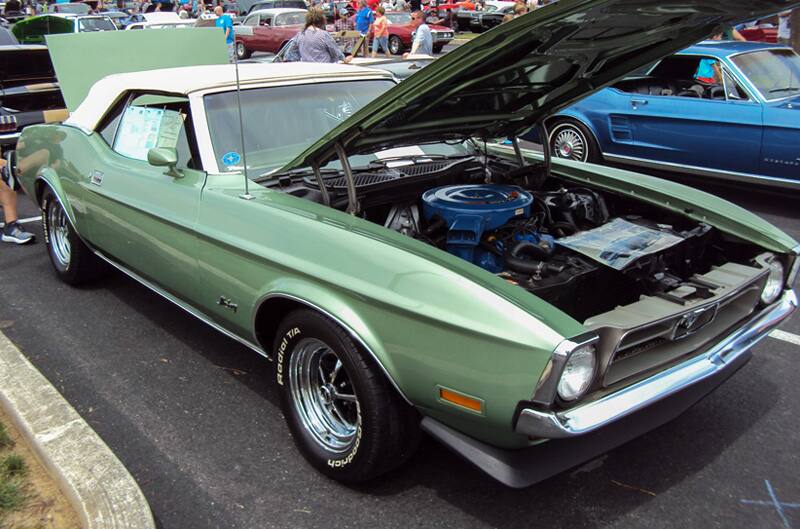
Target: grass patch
[
  {"x": 11, "y": 495},
  {"x": 13, "y": 466},
  {"x": 5, "y": 439}
]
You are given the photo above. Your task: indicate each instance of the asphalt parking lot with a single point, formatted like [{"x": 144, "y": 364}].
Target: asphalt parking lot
[{"x": 194, "y": 417}]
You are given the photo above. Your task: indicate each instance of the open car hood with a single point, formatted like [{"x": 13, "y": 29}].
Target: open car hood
[{"x": 508, "y": 79}]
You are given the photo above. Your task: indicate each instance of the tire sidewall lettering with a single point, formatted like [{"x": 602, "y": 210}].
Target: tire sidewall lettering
[
  {"x": 281, "y": 353},
  {"x": 346, "y": 460}
]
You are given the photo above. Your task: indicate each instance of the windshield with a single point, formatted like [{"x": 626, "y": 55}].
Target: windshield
[
  {"x": 290, "y": 19},
  {"x": 78, "y": 9},
  {"x": 96, "y": 24},
  {"x": 399, "y": 18},
  {"x": 775, "y": 73},
  {"x": 281, "y": 122}
]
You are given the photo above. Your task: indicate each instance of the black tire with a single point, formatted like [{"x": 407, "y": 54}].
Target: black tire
[
  {"x": 242, "y": 52},
  {"x": 395, "y": 45},
  {"x": 73, "y": 262},
  {"x": 438, "y": 48},
  {"x": 571, "y": 139},
  {"x": 382, "y": 429}
]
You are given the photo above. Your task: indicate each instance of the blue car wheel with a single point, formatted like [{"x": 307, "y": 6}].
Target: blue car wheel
[{"x": 572, "y": 140}]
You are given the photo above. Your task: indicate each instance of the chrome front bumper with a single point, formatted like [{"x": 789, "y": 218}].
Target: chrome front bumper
[
  {"x": 606, "y": 410},
  {"x": 8, "y": 138}
]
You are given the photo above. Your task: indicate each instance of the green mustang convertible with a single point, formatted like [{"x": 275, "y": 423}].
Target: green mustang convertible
[{"x": 403, "y": 270}]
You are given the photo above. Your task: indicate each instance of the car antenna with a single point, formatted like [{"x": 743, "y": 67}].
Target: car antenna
[{"x": 246, "y": 195}]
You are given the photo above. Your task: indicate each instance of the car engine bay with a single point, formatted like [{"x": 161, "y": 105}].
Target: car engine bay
[{"x": 583, "y": 250}]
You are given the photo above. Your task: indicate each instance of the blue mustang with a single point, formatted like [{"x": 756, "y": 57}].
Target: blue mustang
[{"x": 721, "y": 109}]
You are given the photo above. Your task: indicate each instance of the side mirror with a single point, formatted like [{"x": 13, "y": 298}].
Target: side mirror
[{"x": 165, "y": 157}]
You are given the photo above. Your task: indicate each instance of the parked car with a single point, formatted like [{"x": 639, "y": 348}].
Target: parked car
[
  {"x": 745, "y": 114},
  {"x": 270, "y": 4},
  {"x": 268, "y": 30},
  {"x": 401, "y": 30},
  {"x": 183, "y": 24},
  {"x": 403, "y": 272},
  {"x": 480, "y": 21},
  {"x": 761, "y": 33},
  {"x": 33, "y": 30},
  {"x": 71, "y": 8},
  {"x": 29, "y": 93}
]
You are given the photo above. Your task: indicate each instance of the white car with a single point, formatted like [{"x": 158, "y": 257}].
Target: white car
[{"x": 171, "y": 24}]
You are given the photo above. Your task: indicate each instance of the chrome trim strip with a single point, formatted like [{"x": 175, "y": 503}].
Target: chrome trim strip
[
  {"x": 594, "y": 415},
  {"x": 10, "y": 136},
  {"x": 344, "y": 326},
  {"x": 701, "y": 171},
  {"x": 191, "y": 310}
]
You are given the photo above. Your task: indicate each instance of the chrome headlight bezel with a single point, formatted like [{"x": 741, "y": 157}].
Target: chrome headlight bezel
[
  {"x": 546, "y": 391},
  {"x": 774, "y": 285},
  {"x": 581, "y": 362}
]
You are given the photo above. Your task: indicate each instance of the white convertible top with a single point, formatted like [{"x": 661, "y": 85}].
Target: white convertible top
[{"x": 183, "y": 81}]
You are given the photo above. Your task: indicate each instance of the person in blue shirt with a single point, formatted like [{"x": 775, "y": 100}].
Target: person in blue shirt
[
  {"x": 364, "y": 20},
  {"x": 224, "y": 21}
]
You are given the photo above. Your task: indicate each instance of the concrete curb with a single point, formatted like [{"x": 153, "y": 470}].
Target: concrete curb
[{"x": 99, "y": 487}]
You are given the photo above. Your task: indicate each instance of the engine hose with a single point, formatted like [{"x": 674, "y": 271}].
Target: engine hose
[
  {"x": 515, "y": 262},
  {"x": 566, "y": 227}
]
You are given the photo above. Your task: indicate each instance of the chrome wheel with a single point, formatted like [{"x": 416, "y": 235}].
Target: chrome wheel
[
  {"x": 240, "y": 50},
  {"x": 395, "y": 45},
  {"x": 569, "y": 142},
  {"x": 323, "y": 395},
  {"x": 58, "y": 230}
]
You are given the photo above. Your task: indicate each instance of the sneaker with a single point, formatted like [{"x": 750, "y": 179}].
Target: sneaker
[{"x": 13, "y": 232}]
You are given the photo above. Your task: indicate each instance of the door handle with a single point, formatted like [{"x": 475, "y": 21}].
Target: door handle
[{"x": 638, "y": 102}]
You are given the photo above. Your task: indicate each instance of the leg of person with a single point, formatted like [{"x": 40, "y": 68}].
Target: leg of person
[
  {"x": 385, "y": 44},
  {"x": 231, "y": 51},
  {"x": 12, "y": 231},
  {"x": 375, "y": 43}
]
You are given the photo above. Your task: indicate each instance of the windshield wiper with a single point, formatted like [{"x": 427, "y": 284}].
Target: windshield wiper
[
  {"x": 784, "y": 89},
  {"x": 294, "y": 173},
  {"x": 382, "y": 162}
]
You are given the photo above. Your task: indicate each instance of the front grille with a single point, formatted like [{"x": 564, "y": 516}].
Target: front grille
[{"x": 667, "y": 331}]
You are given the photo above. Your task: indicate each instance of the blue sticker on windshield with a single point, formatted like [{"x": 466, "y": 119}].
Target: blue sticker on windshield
[{"x": 231, "y": 158}]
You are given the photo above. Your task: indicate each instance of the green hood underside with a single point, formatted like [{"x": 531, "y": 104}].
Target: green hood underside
[{"x": 508, "y": 79}]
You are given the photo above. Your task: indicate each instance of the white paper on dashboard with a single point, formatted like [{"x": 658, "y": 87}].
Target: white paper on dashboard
[
  {"x": 138, "y": 132},
  {"x": 398, "y": 152}
]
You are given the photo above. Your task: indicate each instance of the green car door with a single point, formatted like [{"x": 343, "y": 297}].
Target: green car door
[{"x": 143, "y": 214}]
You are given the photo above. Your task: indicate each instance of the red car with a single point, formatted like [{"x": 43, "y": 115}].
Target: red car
[
  {"x": 268, "y": 30},
  {"x": 767, "y": 33},
  {"x": 400, "y": 31}
]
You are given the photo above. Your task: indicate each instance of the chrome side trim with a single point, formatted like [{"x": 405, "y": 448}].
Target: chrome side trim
[
  {"x": 188, "y": 308},
  {"x": 596, "y": 414},
  {"x": 344, "y": 326},
  {"x": 702, "y": 171}
]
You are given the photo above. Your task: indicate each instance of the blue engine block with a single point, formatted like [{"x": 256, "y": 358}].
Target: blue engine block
[{"x": 472, "y": 210}]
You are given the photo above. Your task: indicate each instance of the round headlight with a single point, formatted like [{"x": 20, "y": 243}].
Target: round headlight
[
  {"x": 774, "y": 285},
  {"x": 578, "y": 373}
]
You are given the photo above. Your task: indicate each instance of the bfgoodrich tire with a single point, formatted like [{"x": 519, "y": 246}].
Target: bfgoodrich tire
[
  {"x": 345, "y": 417},
  {"x": 571, "y": 139},
  {"x": 72, "y": 261}
]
